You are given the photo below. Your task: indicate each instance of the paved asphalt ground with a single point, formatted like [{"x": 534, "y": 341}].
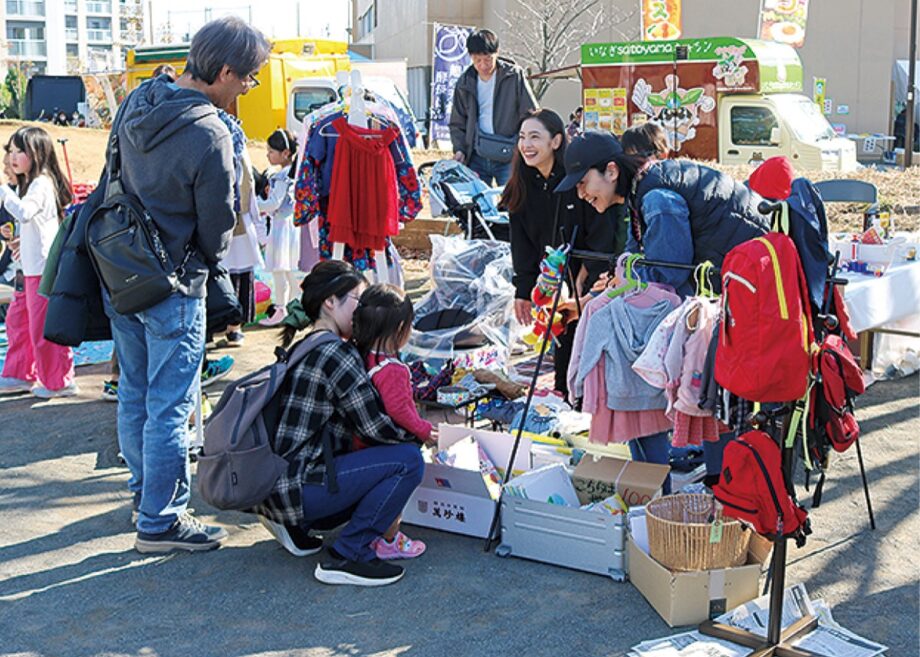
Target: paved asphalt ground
[{"x": 71, "y": 584}]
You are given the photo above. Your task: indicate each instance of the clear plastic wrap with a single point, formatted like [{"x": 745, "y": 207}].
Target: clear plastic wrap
[{"x": 470, "y": 306}]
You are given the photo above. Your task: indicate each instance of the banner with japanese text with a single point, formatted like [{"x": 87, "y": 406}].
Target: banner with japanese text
[
  {"x": 661, "y": 20},
  {"x": 783, "y": 21},
  {"x": 450, "y": 61}
]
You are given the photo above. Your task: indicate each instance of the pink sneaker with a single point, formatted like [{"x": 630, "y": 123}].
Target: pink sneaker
[{"x": 402, "y": 547}]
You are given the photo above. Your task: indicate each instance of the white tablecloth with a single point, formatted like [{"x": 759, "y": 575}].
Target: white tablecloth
[{"x": 874, "y": 302}]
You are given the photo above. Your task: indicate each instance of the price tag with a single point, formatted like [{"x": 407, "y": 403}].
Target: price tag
[{"x": 715, "y": 533}]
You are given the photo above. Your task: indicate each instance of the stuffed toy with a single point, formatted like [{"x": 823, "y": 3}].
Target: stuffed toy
[{"x": 548, "y": 281}]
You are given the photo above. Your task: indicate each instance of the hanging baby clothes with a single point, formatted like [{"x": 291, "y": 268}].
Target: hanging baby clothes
[
  {"x": 363, "y": 192},
  {"x": 730, "y": 410},
  {"x": 674, "y": 361},
  {"x": 314, "y": 181},
  {"x": 608, "y": 425}
]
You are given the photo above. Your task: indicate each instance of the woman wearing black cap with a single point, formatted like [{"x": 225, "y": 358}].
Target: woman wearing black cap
[
  {"x": 680, "y": 211},
  {"x": 540, "y": 218}
]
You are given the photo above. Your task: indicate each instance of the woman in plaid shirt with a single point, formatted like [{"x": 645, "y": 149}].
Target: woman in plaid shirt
[{"x": 328, "y": 399}]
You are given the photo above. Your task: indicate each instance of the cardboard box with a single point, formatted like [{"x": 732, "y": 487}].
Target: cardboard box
[
  {"x": 689, "y": 598},
  {"x": 597, "y": 478},
  {"x": 458, "y": 501}
]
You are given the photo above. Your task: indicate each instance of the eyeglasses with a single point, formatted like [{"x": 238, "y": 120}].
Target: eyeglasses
[{"x": 250, "y": 80}]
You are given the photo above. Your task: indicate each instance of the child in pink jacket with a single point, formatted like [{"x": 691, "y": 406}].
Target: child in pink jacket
[{"x": 382, "y": 325}]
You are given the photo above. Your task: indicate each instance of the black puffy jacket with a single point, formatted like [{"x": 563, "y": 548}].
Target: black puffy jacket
[
  {"x": 75, "y": 312},
  {"x": 723, "y": 212}
]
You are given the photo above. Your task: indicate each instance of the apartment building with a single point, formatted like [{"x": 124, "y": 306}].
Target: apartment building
[
  {"x": 60, "y": 37},
  {"x": 853, "y": 44}
]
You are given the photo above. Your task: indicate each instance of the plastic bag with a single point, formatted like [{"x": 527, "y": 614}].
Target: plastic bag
[{"x": 471, "y": 304}]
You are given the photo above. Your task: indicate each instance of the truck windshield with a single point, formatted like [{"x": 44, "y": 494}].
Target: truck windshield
[
  {"x": 804, "y": 117},
  {"x": 308, "y": 99}
]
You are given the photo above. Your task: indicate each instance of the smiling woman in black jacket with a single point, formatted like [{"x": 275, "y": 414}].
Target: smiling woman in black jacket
[{"x": 539, "y": 218}]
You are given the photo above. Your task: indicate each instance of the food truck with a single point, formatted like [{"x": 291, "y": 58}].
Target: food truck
[{"x": 727, "y": 99}]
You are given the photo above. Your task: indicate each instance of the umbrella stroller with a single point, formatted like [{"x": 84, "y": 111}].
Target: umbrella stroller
[{"x": 455, "y": 190}]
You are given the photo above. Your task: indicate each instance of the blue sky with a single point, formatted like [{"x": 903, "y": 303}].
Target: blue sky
[{"x": 276, "y": 18}]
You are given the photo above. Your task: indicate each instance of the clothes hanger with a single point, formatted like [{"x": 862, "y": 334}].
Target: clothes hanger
[
  {"x": 703, "y": 277},
  {"x": 632, "y": 284}
]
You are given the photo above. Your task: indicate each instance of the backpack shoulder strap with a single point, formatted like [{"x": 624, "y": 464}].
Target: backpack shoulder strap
[{"x": 299, "y": 351}]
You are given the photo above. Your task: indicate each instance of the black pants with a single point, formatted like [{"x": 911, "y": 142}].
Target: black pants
[{"x": 562, "y": 357}]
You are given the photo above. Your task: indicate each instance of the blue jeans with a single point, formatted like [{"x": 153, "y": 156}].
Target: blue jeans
[
  {"x": 489, "y": 170},
  {"x": 712, "y": 453},
  {"x": 653, "y": 449},
  {"x": 159, "y": 352},
  {"x": 374, "y": 486}
]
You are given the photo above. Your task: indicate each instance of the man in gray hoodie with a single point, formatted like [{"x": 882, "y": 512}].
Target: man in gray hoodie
[{"x": 177, "y": 158}]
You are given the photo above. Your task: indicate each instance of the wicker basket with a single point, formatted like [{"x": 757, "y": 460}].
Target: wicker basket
[{"x": 680, "y": 533}]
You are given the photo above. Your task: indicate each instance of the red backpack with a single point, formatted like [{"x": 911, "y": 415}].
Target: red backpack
[
  {"x": 766, "y": 333},
  {"x": 752, "y": 488},
  {"x": 838, "y": 380}
]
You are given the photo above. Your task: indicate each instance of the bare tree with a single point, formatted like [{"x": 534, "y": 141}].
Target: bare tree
[{"x": 542, "y": 35}]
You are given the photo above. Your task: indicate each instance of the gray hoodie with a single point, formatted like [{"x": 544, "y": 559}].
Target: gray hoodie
[{"x": 177, "y": 158}]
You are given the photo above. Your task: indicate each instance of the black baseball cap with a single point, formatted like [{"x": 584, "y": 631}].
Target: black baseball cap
[{"x": 585, "y": 151}]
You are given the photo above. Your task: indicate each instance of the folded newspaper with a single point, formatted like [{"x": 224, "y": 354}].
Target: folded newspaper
[{"x": 829, "y": 638}]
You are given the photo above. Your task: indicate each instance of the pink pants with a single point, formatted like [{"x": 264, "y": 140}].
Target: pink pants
[{"x": 30, "y": 357}]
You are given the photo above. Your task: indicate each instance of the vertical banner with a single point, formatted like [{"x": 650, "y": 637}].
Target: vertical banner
[
  {"x": 450, "y": 60},
  {"x": 783, "y": 21},
  {"x": 661, "y": 20}
]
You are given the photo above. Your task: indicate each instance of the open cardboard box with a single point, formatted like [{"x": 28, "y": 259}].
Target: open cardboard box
[
  {"x": 458, "y": 501},
  {"x": 597, "y": 478},
  {"x": 689, "y": 598}
]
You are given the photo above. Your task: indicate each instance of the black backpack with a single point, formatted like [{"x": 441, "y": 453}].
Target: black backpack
[{"x": 125, "y": 247}]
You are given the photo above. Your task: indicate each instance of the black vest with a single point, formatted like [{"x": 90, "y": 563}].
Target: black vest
[{"x": 723, "y": 212}]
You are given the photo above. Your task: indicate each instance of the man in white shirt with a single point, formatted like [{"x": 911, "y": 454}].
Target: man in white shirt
[{"x": 490, "y": 99}]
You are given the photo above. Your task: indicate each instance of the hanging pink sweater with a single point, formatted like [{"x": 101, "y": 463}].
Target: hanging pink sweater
[{"x": 607, "y": 426}]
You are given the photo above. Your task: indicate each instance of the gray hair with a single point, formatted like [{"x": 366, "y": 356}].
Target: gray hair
[{"x": 226, "y": 41}]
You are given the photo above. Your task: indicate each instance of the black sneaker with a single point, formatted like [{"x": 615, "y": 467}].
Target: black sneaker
[
  {"x": 336, "y": 569},
  {"x": 295, "y": 540},
  {"x": 188, "y": 533}
]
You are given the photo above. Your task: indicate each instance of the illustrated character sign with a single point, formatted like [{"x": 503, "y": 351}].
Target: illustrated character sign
[
  {"x": 674, "y": 108},
  {"x": 730, "y": 67}
]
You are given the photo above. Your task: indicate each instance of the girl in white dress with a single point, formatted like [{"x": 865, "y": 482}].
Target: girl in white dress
[{"x": 283, "y": 249}]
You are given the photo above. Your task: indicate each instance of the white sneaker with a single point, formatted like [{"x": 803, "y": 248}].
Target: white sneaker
[
  {"x": 10, "y": 385},
  {"x": 67, "y": 391},
  {"x": 275, "y": 318}
]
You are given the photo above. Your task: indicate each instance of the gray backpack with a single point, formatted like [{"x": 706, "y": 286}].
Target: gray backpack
[{"x": 237, "y": 468}]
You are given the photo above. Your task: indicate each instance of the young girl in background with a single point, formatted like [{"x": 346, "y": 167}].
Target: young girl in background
[
  {"x": 282, "y": 251},
  {"x": 382, "y": 324},
  {"x": 37, "y": 206}
]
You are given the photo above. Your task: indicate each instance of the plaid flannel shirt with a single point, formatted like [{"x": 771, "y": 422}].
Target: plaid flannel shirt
[{"x": 330, "y": 389}]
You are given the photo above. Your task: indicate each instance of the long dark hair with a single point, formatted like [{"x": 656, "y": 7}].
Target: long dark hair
[
  {"x": 36, "y": 143},
  {"x": 516, "y": 189},
  {"x": 384, "y": 312},
  {"x": 332, "y": 278}
]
